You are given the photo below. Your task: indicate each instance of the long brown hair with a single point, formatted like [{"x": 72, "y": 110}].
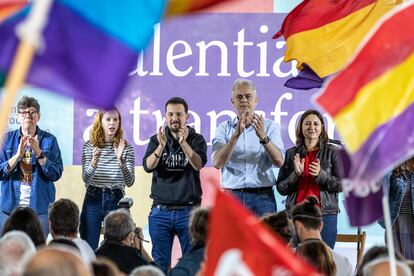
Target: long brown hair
[
  {"x": 97, "y": 135},
  {"x": 300, "y": 139},
  {"x": 317, "y": 253}
]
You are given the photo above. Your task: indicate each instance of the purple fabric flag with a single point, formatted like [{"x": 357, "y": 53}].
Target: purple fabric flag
[
  {"x": 362, "y": 199},
  {"x": 88, "y": 53},
  {"x": 306, "y": 79}
]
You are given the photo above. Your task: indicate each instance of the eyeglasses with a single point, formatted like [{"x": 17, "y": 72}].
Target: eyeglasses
[
  {"x": 240, "y": 97},
  {"x": 28, "y": 113}
]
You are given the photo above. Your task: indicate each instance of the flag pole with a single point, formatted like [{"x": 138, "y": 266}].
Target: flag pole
[
  {"x": 30, "y": 34},
  {"x": 388, "y": 232}
]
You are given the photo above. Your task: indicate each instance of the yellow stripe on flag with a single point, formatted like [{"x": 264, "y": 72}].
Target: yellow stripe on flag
[
  {"x": 329, "y": 48},
  {"x": 376, "y": 103}
]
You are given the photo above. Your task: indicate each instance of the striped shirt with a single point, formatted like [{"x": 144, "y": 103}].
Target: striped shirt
[{"x": 108, "y": 173}]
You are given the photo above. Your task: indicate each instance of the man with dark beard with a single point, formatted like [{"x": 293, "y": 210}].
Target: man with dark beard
[{"x": 175, "y": 156}]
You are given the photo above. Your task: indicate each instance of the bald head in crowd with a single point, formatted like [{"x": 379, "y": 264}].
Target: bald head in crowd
[
  {"x": 56, "y": 262},
  {"x": 15, "y": 249}
]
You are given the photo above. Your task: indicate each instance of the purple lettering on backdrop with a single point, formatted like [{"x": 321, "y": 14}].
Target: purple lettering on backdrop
[{"x": 198, "y": 58}]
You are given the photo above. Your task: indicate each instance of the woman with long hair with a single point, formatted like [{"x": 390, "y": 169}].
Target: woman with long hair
[
  {"x": 310, "y": 168},
  {"x": 108, "y": 165}
]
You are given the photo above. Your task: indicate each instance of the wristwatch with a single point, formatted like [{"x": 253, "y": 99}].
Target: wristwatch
[
  {"x": 41, "y": 156},
  {"x": 265, "y": 140}
]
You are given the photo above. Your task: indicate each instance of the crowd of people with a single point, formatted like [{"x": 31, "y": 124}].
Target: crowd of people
[{"x": 247, "y": 149}]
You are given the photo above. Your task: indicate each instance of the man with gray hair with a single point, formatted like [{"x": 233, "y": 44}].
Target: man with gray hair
[
  {"x": 15, "y": 249},
  {"x": 248, "y": 150},
  {"x": 121, "y": 244}
]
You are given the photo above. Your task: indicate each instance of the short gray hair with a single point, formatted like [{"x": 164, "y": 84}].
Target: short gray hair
[
  {"x": 16, "y": 248},
  {"x": 118, "y": 224},
  {"x": 147, "y": 270},
  {"x": 247, "y": 82}
]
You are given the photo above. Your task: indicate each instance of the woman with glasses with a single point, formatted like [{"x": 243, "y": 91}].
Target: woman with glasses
[
  {"x": 30, "y": 161},
  {"x": 108, "y": 165},
  {"x": 310, "y": 168}
]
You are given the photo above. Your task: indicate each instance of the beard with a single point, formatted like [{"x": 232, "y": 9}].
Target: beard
[{"x": 175, "y": 127}]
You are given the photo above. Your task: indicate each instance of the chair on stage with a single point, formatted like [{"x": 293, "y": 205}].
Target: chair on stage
[{"x": 358, "y": 238}]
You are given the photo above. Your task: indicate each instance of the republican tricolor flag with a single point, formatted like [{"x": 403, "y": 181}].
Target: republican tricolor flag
[
  {"x": 239, "y": 245},
  {"x": 322, "y": 35},
  {"x": 372, "y": 100}
]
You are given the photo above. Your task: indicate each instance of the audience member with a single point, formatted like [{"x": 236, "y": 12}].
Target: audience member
[
  {"x": 16, "y": 248},
  {"x": 118, "y": 246},
  {"x": 53, "y": 261},
  {"x": 64, "y": 222},
  {"x": 280, "y": 224},
  {"x": 64, "y": 242},
  {"x": 25, "y": 219},
  {"x": 104, "y": 267},
  {"x": 381, "y": 267},
  {"x": 190, "y": 263},
  {"x": 147, "y": 270},
  {"x": 376, "y": 252},
  {"x": 307, "y": 218},
  {"x": 317, "y": 253},
  {"x": 248, "y": 150}
]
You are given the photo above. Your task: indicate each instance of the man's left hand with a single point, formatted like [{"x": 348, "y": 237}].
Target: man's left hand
[
  {"x": 258, "y": 125},
  {"x": 183, "y": 134}
]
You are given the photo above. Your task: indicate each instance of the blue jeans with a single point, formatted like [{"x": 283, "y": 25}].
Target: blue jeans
[
  {"x": 329, "y": 230},
  {"x": 97, "y": 204},
  {"x": 260, "y": 203},
  {"x": 43, "y": 218},
  {"x": 164, "y": 224}
]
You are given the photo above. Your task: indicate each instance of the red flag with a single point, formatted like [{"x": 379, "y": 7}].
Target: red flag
[{"x": 240, "y": 245}]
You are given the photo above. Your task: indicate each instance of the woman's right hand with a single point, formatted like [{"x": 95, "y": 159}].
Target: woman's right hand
[
  {"x": 299, "y": 164},
  {"x": 96, "y": 153}
]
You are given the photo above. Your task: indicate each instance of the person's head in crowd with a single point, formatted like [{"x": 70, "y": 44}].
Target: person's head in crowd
[
  {"x": 381, "y": 267},
  {"x": 317, "y": 253},
  {"x": 64, "y": 218},
  {"x": 311, "y": 119},
  {"x": 102, "y": 129},
  {"x": 25, "y": 219},
  {"x": 104, "y": 267},
  {"x": 281, "y": 224},
  {"x": 199, "y": 226},
  {"x": 16, "y": 248},
  {"x": 376, "y": 252},
  {"x": 64, "y": 242},
  {"x": 307, "y": 218},
  {"x": 119, "y": 226},
  {"x": 55, "y": 261},
  {"x": 147, "y": 270}
]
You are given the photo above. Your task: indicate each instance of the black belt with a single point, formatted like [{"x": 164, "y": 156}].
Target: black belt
[
  {"x": 175, "y": 207},
  {"x": 252, "y": 190}
]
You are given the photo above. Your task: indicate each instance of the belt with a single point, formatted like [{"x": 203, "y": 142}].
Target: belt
[
  {"x": 95, "y": 189},
  {"x": 252, "y": 190},
  {"x": 174, "y": 207}
]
